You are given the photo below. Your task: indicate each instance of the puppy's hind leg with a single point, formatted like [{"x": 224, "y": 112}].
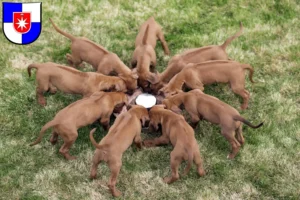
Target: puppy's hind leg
[
  {"x": 69, "y": 136},
  {"x": 175, "y": 162},
  {"x": 239, "y": 89},
  {"x": 235, "y": 145},
  {"x": 53, "y": 89},
  {"x": 96, "y": 161},
  {"x": 54, "y": 138},
  {"x": 114, "y": 166},
  {"x": 73, "y": 60},
  {"x": 104, "y": 121},
  {"x": 239, "y": 134},
  {"x": 198, "y": 162},
  {"x": 43, "y": 86},
  {"x": 138, "y": 141},
  {"x": 164, "y": 44}
]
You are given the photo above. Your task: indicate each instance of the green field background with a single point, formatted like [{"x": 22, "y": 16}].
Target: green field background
[{"x": 268, "y": 165}]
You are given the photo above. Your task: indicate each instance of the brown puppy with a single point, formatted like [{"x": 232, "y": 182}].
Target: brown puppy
[
  {"x": 155, "y": 32},
  {"x": 52, "y": 76},
  {"x": 203, "y": 106},
  {"x": 67, "y": 121},
  {"x": 144, "y": 56},
  {"x": 177, "y": 131},
  {"x": 127, "y": 128},
  {"x": 198, "y": 55},
  {"x": 103, "y": 61},
  {"x": 195, "y": 76}
]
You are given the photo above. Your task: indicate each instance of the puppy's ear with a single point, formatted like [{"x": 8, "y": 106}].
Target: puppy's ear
[
  {"x": 175, "y": 109},
  {"x": 153, "y": 78},
  {"x": 144, "y": 120},
  {"x": 153, "y": 125},
  {"x": 134, "y": 74},
  {"x": 129, "y": 106},
  {"x": 119, "y": 87},
  {"x": 161, "y": 92}
]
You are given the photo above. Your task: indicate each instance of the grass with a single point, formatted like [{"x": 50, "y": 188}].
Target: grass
[{"x": 267, "y": 167}]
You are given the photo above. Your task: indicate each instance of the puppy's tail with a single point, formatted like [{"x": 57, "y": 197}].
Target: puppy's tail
[
  {"x": 33, "y": 65},
  {"x": 146, "y": 35},
  {"x": 71, "y": 37},
  {"x": 251, "y": 71},
  {"x": 98, "y": 146},
  {"x": 241, "y": 119},
  {"x": 229, "y": 40},
  {"x": 45, "y": 127},
  {"x": 190, "y": 161}
]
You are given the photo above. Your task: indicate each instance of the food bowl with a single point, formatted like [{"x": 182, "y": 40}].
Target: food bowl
[{"x": 146, "y": 100}]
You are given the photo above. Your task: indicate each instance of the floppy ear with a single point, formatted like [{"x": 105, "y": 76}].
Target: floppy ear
[
  {"x": 153, "y": 125},
  {"x": 144, "y": 120},
  {"x": 153, "y": 78},
  {"x": 126, "y": 100},
  {"x": 175, "y": 109},
  {"x": 129, "y": 106},
  {"x": 120, "y": 88},
  {"x": 134, "y": 73}
]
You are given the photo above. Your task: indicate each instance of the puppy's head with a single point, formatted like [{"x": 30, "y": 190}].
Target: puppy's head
[
  {"x": 168, "y": 92},
  {"x": 155, "y": 116},
  {"x": 171, "y": 106},
  {"x": 131, "y": 81},
  {"x": 154, "y": 82},
  {"x": 141, "y": 112},
  {"x": 119, "y": 107}
]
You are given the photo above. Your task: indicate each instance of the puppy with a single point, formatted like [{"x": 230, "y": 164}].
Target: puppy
[
  {"x": 203, "y": 106},
  {"x": 83, "y": 112},
  {"x": 125, "y": 130},
  {"x": 155, "y": 32},
  {"x": 52, "y": 76},
  {"x": 103, "y": 61},
  {"x": 177, "y": 131},
  {"x": 198, "y": 55},
  {"x": 195, "y": 76},
  {"x": 144, "y": 56}
]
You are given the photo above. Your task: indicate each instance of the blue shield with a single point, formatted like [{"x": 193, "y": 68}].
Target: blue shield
[{"x": 22, "y": 22}]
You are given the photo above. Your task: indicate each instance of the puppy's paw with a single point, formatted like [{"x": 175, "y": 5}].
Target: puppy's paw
[
  {"x": 170, "y": 180},
  {"x": 244, "y": 107},
  {"x": 93, "y": 176},
  {"x": 116, "y": 193},
  {"x": 148, "y": 143},
  {"x": 42, "y": 102},
  {"x": 201, "y": 172},
  {"x": 230, "y": 156},
  {"x": 53, "y": 90}
]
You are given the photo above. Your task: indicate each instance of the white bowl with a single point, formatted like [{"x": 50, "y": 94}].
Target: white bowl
[{"x": 146, "y": 100}]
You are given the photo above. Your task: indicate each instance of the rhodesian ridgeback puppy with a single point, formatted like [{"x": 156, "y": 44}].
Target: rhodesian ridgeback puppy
[
  {"x": 195, "y": 76},
  {"x": 198, "y": 55},
  {"x": 103, "y": 61},
  {"x": 202, "y": 106},
  {"x": 67, "y": 121},
  {"x": 181, "y": 135},
  {"x": 144, "y": 56},
  {"x": 125, "y": 130},
  {"x": 52, "y": 76}
]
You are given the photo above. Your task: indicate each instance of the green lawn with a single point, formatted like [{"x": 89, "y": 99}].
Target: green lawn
[{"x": 268, "y": 165}]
